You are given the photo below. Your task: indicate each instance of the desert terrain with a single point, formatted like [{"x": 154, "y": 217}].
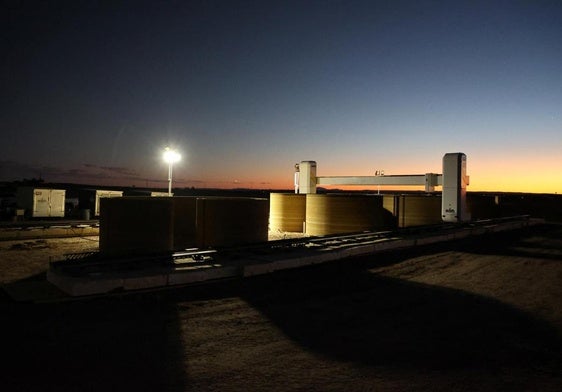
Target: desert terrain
[{"x": 482, "y": 314}]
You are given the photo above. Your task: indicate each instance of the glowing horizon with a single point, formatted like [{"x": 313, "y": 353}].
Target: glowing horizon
[
  {"x": 245, "y": 92},
  {"x": 482, "y": 179}
]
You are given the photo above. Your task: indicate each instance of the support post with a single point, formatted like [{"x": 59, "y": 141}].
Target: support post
[
  {"x": 307, "y": 177},
  {"x": 455, "y": 180}
]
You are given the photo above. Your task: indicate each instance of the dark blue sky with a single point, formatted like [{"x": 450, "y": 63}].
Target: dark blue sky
[{"x": 93, "y": 91}]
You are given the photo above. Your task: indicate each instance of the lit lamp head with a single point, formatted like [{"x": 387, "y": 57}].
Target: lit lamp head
[{"x": 170, "y": 157}]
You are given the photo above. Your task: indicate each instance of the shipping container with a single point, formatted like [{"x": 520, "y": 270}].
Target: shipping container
[{"x": 41, "y": 202}]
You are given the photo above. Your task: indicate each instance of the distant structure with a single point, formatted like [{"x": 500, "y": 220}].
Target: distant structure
[{"x": 454, "y": 181}]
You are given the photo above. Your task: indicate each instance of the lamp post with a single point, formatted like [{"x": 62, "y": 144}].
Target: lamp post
[{"x": 170, "y": 157}]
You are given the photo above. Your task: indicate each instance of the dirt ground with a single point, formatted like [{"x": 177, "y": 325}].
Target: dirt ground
[{"x": 484, "y": 314}]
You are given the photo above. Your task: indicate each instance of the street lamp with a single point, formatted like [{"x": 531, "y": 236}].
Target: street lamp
[{"x": 170, "y": 157}]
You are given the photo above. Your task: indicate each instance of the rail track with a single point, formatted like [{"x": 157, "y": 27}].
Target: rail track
[
  {"x": 92, "y": 273},
  {"x": 10, "y": 231}
]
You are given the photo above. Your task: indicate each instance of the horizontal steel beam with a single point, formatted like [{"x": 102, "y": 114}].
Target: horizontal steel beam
[{"x": 416, "y": 179}]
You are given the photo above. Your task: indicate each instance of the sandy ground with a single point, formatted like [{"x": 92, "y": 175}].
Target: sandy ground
[{"x": 483, "y": 314}]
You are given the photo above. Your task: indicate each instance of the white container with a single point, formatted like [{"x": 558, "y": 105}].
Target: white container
[
  {"x": 41, "y": 202},
  {"x": 90, "y": 199},
  {"x": 159, "y": 194},
  {"x": 100, "y": 194}
]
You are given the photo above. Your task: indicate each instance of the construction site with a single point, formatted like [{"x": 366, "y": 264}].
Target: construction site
[{"x": 304, "y": 291}]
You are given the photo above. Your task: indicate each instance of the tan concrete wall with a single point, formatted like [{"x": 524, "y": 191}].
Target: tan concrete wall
[
  {"x": 340, "y": 213},
  {"x": 134, "y": 225},
  {"x": 414, "y": 210},
  {"x": 231, "y": 221},
  {"x": 185, "y": 222},
  {"x": 287, "y": 212},
  {"x": 142, "y": 225}
]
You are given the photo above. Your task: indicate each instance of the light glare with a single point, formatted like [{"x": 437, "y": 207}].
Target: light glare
[{"x": 171, "y": 156}]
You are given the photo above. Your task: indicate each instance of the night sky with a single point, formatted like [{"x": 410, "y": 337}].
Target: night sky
[{"x": 92, "y": 91}]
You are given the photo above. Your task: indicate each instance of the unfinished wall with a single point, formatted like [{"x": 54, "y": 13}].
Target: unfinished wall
[
  {"x": 226, "y": 221},
  {"x": 414, "y": 210},
  {"x": 343, "y": 213},
  {"x": 133, "y": 225},
  {"x": 143, "y": 225},
  {"x": 287, "y": 212}
]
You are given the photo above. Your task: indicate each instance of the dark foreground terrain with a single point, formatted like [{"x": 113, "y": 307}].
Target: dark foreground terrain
[{"x": 479, "y": 315}]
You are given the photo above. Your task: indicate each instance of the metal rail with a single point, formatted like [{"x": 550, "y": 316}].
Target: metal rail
[
  {"x": 45, "y": 224},
  {"x": 94, "y": 274},
  {"x": 88, "y": 262},
  {"x": 44, "y": 230}
]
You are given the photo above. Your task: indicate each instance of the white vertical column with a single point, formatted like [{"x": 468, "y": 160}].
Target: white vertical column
[
  {"x": 307, "y": 177},
  {"x": 455, "y": 180}
]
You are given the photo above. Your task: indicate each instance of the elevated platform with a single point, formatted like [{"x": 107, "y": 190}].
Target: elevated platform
[{"x": 92, "y": 274}]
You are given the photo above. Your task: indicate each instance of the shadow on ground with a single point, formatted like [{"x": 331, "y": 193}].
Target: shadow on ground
[
  {"x": 343, "y": 311},
  {"x": 541, "y": 242},
  {"x": 103, "y": 345},
  {"x": 340, "y": 311},
  {"x": 376, "y": 321}
]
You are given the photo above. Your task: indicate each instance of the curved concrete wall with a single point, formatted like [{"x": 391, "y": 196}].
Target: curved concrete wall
[
  {"x": 341, "y": 213},
  {"x": 287, "y": 212},
  {"x": 414, "y": 210}
]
